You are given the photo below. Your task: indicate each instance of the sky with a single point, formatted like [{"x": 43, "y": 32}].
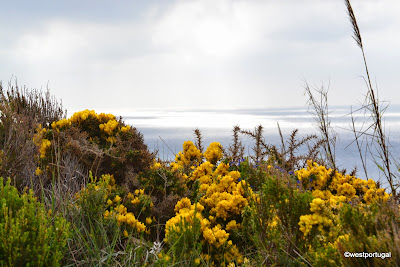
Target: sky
[{"x": 207, "y": 54}]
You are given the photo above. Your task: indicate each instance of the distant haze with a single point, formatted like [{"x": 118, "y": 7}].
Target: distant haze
[{"x": 205, "y": 53}]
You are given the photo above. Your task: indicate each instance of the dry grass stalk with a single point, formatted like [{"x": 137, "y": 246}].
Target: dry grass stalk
[
  {"x": 321, "y": 114},
  {"x": 21, "y": 111},
  {"x": 373, "y": 106}
]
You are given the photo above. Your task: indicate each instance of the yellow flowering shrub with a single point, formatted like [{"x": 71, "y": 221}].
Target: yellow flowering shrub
[
  {"x": 332, "y": 191},
  {"x": 222, "y": 199},
  {"x": 324, "y": 182},
  {"x": 123, "y": 209},
  {"x": 101, "y": 142},
  {"x": 215, "y": 241},
  {"x": 38, "y": 171},
  {"x": 88, "y": 119},
  {"x": 156, "y": 165},
  {"x": 103, "y": 198}
]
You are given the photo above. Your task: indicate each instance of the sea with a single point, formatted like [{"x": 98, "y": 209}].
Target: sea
[{"x": 165, "y": 130}]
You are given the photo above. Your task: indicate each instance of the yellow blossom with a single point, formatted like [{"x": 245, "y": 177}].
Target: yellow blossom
[
  {"x": 117, "y": 199},
  {"x": 214, "y": 152},
  {"x": 38, "y": 171}
]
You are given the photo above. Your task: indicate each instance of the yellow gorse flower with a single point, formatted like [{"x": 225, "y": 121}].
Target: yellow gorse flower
[
  {"x": 324, "y": 206},
  {"x": 223, "y": 199},
  {"x": 38, "y": 171},
  {"x": 190, "y": 155},
  {"x": 43, "y": 147},
  {"x": 213, "y": 152}
]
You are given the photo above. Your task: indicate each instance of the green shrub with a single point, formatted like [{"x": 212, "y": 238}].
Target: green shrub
[
  {"x": 110, "y": 225},
  {"x": 271, "y": 223},
  {"x": 29, "y": 234},
  {"x": 374, "y": 228}
]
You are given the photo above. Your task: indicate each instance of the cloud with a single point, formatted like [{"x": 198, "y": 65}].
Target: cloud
[{"x": 199, "y": 53}]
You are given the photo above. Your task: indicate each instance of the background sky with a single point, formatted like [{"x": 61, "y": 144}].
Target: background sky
[{"x": 204, "y": 54}]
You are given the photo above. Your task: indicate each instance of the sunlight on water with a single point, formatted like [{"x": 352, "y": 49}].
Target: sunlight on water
[{"x": 166, "y": 130}]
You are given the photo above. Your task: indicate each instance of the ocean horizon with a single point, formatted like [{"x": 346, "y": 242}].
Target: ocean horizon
[{"x": 165, "y": 130}]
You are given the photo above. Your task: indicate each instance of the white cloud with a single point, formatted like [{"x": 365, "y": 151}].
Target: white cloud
[{"x": 206, "y": 53}]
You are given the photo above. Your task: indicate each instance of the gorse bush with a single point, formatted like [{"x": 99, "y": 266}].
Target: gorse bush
[
  {"x": 102, "y": 143},
  {"x": 205, "y": 220},
  {"x": 30, "y": 235},
  {"x": 288, "y": 219},
  {"x": 108, "y": 221}
]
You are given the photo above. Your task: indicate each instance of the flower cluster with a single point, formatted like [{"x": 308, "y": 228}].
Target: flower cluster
[
  {"x": 218, "y": 211},
  {"x": 129, "y": 210},
  {"x": 321, "y": 216},
  {"x": 128, "y": 218},
  {"x": 323, "y": 182},
  {"x": 106, "y": 123},
  {"x": 188, "y": 215},
  {"x": 156, "y": 165},
  {"x": 81, "y": 116},
  {"x": 331, "y": 189},
  {"x": 213, "y": 153},
  {"x": 191, "y": 155},
  {"x": 124, "y": 210},
  {"x": 40, "y": 141},
  {"x": 109, "y": 126},
  {"x": 61, "y": 124},
  {"x": 44, "y": 147},
  {"x": 224, "y": 197}
]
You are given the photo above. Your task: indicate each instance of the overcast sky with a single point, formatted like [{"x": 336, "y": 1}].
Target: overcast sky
[{"x": 207, "y": 54}]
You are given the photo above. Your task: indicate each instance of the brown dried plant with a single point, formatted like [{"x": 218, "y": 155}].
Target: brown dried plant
[
  {"x": 377, "y": 138},
  {"x": 236, "y": 149},
  {"x": 21, "y": 111},
  {"x": 199, "y": 141},
  {"x": 261, "y": 148}
]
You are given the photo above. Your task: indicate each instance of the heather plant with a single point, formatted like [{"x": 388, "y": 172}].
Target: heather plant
[
  {"x": 21, "y": 111},
  {"x": 29, "y": 233}
]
